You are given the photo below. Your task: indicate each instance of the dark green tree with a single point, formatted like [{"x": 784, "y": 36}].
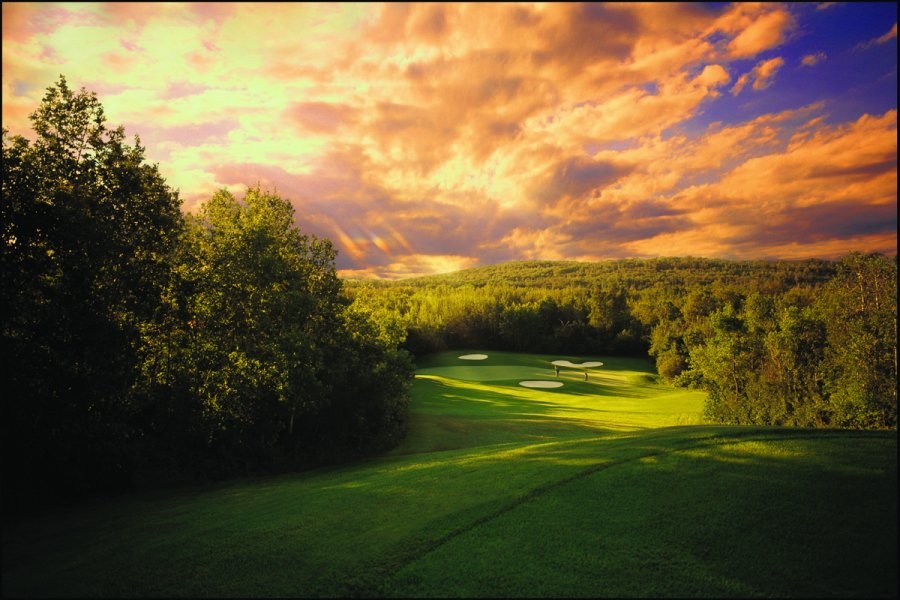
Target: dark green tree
[
  {"x": 88, "y": 228},
  {"x": 859, "y": 307},
  {"x": 261, "y": 348},
  {"x": 729, "y": 362}
]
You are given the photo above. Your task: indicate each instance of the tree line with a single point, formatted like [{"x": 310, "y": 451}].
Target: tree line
[
  {"x": 142, "y": 346},
  {"x": 797, "y": 343}
]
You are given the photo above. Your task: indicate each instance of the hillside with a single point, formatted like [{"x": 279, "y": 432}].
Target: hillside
[
  {"x": 632, "y": 271},
  {"x": 805, "y": 343},
  {"x": 610, "y": 487}
]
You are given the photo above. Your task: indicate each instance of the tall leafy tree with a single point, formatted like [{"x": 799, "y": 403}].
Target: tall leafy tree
[
  {"x": 729, "y": 362},
  {"x": 795, "y": 347},
  {"x": 88, "y": 227},
  {"x": 859, "y": 307},
  {"x": 259, "y": 343}
]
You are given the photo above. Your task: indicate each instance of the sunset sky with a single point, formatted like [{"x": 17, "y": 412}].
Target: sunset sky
[{"x": 433, "y": 137}]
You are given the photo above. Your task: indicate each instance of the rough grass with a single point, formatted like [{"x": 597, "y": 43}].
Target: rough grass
[{"x": 610, "y": 487}]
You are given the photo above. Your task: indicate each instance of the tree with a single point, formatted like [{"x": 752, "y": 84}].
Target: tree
[
  {"x": 859, "y": 307},
  {"x": 610, "y": 315},
  {"x": 795, "y": 354},
  {"x": 368, "y": 377},
  {"x": 275, "y": 366},
  {"x": 88, "y": 228},
  {"x": 729, "y": 363}
]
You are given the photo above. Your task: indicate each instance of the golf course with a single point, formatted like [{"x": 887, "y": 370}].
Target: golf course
[{"x": 522, "y": 475}]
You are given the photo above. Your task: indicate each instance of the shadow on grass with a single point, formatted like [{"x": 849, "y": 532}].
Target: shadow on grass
[
  {"x": 663, "y": 512},
  {"x": 712, "y": 512}
]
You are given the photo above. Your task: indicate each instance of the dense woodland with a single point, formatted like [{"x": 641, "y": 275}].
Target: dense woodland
[
  {"x": 800, "y": 343},
  {"x": 141, "y": 346}
]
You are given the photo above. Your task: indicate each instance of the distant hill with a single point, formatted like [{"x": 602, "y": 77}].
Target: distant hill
[
  {"x": 629, "y": 272},
  {"x": 802, "y": 343}
]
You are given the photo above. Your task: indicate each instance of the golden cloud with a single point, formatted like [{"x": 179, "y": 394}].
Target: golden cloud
[
  {"x": 761, "y": 27},
  {"x": 810, "y": 60},
  {"x": 422, "y": 136},
  {"x": 761, "y": 75}
]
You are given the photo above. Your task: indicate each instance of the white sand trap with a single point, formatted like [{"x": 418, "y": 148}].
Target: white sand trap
[
  {"x": 473, "y": 356},
  {"x": 541, "y": 384},
  {"x": 584, "y": 365}
]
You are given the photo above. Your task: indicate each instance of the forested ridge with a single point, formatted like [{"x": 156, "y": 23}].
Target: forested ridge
[
  {"x": 801, "y": 343},
  {"x": 636, "y": 272}
]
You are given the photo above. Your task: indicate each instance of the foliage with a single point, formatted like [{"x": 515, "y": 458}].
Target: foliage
[
  {"x": 259, "y": 337},
  {"x": 140, "y": 345},
  {"x": 504, "y": 491},
  {"x": 87, "y": 228},
  {"x": 804, "y": 343},
  {"x": 795, "y": 359},
  {"x": 859, "y": 307}
]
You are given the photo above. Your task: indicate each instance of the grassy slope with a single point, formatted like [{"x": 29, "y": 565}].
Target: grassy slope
[{"x": 598, "y": 488}]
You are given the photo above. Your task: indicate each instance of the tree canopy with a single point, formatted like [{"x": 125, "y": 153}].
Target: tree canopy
[
  {"x": 801, "y": 343},
  {"x": 88, "y": 229},
  {"x": 138, "y": 343}
]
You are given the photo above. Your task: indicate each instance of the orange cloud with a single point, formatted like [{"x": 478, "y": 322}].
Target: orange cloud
[
  {"x": 321, "y": 117},
  {"x": 810, "y": 60},
  {"x": 816, "y": 188},
  {"x": 888, "y": 36},
  {"x": 765, "y": 72},
  {"x": 761, "y": 75},
  {"x": 423, "y": 137},
  {"x": 17, "y": 22},
  {"x": 761, "y": 28},
  {"x": 882, "y": 39}
]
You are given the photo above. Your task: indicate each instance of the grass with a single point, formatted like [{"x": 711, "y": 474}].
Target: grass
[{"x": 610, "y": 487}]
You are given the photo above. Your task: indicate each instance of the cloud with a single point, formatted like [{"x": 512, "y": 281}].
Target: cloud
[
  {"x": 810, "y": 60},
  {"x": 25, "y": 21},
  {"x": 423, "y": 137},
  {"x": 573, "y": 178},
  {"x": 321, "y": 117},
  {"x": 759, "y": 32},
  {"x": 765, "y": 72},
  {"x": 761, "y": 75},
  {"x": 722, "y": 193},
  {"x": 180, "y": 89},
  {"x": 740, "y": 84},
  {"x": 887, "y": 36},
  {"x": 758, "y": 205},
  {"x": 618, "y": 223},
  {"x": 882, "y": 39}
]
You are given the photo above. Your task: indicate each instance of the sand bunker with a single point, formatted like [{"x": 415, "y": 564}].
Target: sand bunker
[
  {"x": 541, "y": 384},
  {"x": 473, "y": 356},
  {"x": 584, "y": 365}
]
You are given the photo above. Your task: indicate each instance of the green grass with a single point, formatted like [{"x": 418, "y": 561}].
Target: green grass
[{"x": 610, "y": 487}]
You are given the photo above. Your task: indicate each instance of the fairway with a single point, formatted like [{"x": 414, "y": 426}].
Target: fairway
[{"x": 608, "y": 487}]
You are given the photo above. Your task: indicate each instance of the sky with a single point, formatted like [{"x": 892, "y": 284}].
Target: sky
[{"x": 427, "y": 138}]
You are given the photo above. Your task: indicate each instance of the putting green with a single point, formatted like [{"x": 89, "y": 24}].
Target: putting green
[
  {"x": 623, "y": 395},
  {"x": 486, "y": 372}
]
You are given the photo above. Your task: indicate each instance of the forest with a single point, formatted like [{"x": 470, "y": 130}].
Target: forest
[
  {"x": 807, "y": 343},
  {"x": 143, "y": 346}
]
